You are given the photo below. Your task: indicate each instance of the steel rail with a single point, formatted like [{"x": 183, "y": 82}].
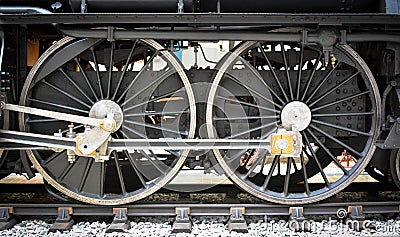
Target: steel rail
[{"x": 169, "y": 209}]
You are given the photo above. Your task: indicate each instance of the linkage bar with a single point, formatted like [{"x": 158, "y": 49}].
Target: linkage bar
[
  {"x": 39, "y": 141},
  {"x": 52, "y": 114}
]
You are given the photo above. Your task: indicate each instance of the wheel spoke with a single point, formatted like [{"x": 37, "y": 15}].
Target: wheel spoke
[
  {"x": 124, "y": 70},
  {"x": 252, "y": 167},
  {"x": 311, "y": 76},
  {"x": 300, "y": 71},
  {"x": 320, "y": 144},
  {"x": 136, "y": 77},
  {"x": 110, "y": 69},
  {"x": 119, "y": 171},
  {"x": 340, "y": 101},
  {"x": 158, "y": 80},
  {"x": 246, "y": 118},
  {"x": 333, "y": 89},
  {"x": 66, "y": 171},
  {"x": 263, "y": 162},
  {"x": 344, "y": 114},
  {"x": 252, "y": 130},
  {"x": 52, "y": 157},
  {"x": 258, "y": 93},
  {"x": 75, "y": 85},
  {"x": 321, "y": 82},
  {"x": 96, "y": 65},
  {"x": 341, "y": 128},
  {"x": 294, "y": 165},
  {"x": 135, "y": 168},
  {"x": 314, "y": 156},
  {"x": 248, "y": 104},
  {"x": 156, "y": 113},
  {"x": 132, "y": 131},
  {"x": 336, "y": 140},
  {"x": 81, "y": 69},
  {"x": 66, "y": 94},
  {"x": 154, "y": 163},
  {"x": 150, "y": 101},
  {"x": 59, "y": 106},
  {"x": 304, "y": 168},
  {"x": 287, "y": 176},
  {"x": 271, "y": 171},
  {"x": 156, "y": 127},
  {"x": 287, "y": 71},
  {"x": 85, "y": 173},
  {"x": 273, "y": 72},
  {"x": 102, "y": 178},
  {"x": 240, "y": 152}
]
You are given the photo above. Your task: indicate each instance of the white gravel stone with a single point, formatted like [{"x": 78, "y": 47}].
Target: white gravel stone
[{"x": 202, "y": 227}]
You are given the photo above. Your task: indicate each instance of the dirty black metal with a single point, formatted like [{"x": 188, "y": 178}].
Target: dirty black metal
[
  {"x": 236, "y": 221},
  {"x": 64, "y": 220},
  {"x": 182, "y": 223},
  {"x": 120, "y": 222},
  {"x": 6, "y": 219},
  {"x": 283, "y": 19}
]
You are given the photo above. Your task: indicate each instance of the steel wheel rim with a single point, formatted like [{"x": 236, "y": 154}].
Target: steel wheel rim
[
  {"x": 130, "y": 198},
  {"x": 314, "y": 196}
]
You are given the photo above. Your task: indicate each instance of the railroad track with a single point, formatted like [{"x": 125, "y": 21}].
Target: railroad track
[
  {"x": 186, "y": 206},
  {"x": 183, "y": 212}
]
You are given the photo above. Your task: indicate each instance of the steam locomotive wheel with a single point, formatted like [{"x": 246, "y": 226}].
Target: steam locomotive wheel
[
  {"x": 335, "y": 106},
  {"x": 88, "y": 77}
]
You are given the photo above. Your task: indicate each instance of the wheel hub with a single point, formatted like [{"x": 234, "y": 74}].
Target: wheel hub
[
  {"x": 296, "y": 113},
  {"x": 101, "y": 108}
]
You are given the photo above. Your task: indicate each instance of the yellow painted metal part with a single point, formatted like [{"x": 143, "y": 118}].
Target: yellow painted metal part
[{"x": 275, "y": 150}]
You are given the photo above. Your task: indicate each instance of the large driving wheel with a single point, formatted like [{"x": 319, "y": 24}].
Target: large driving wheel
[
  {"x": 89, "y": 77},
  {"x": 335, "y": 105}
]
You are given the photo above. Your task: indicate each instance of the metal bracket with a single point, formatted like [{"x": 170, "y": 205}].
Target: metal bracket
[
  {"x": 356, "y": 213},
  {"x": 393, "y": 139},
  {"x": 64, "y": 220},
  {"x": 83, "y": 6},
  {"x": 110, "y": 34},
  {"x": 180, "y": 7},
  {"x": 297, "y": 220},
  {"x": 357, "y": 217},
  {"x": 182, "y": 223},
  {"x": 120, "y": 222},
  {"x": 327, "y": 38},
  {"x": 236, "y": 220},
  {"x": 304, "y": 37},
  {"x": 343, "y": 37},
  {"x": 6, "y": 220}
]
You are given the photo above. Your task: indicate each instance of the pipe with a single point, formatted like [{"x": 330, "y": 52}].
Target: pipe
[
  {"x": 373, "y": 37},
  {"x": 183, "y": 35},
  {"x": 23, "y": 10},
  {"x": 225, "y": 35}
]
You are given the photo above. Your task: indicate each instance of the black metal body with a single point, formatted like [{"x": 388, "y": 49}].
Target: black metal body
[{"x": 227, "y": 6}]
